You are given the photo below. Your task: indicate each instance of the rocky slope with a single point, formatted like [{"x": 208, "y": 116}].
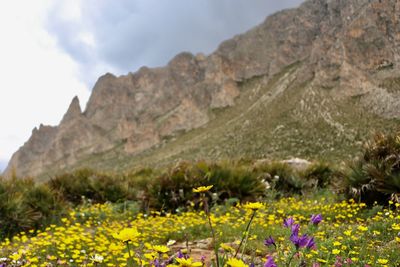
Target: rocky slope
[{"x": 306, "y": 82}]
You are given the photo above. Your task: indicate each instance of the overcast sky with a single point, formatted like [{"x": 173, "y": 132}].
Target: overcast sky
[{"x": 52, "y": 50}]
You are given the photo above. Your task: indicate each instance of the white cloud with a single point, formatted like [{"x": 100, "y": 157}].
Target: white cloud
[
  {"x": 51, "y": 51},
  {"x": 37, "y": 79}
]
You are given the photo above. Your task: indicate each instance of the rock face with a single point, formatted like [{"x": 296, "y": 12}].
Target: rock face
[{"x": 351, "y": 48}]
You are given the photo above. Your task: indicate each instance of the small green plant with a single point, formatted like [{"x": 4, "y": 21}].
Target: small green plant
[
  {"x": 25, "y": 205},
  {"x": 173, "y": 188},
  {"x": 319, "y": 174},
  {"x": 88, "y": 184},
  {"x": 282, "y": 178},
  {"x": 375, "y": 176}
]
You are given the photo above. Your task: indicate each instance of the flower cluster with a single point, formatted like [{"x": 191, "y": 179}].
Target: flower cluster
[{"x": 320, "y": 232}]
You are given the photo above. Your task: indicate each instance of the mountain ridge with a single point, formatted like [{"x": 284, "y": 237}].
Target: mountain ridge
[{"x": 331, "y": 52}]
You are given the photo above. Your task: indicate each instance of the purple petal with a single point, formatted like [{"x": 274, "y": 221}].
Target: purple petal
[
  {"x": 316, "y": 219},
  {"x": 311, "y": 243},
  {"x": 288, "y": 222},
  {"x": 295, "y": 229},
  {"x": 270, "y": 262},
  {"x": 269, "y": 241}
]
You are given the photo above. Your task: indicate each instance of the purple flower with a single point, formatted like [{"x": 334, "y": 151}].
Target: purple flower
[
  {"x": 288, "y": 222},
  {"x": 157, "y": 263},
  {"x": 310, "y": 243},
  {"x": 338, "y": 262},
  {"x": 269, "y": 241},
  {"x": 180, "y": 255},
  {"x": 299, "y": 241},
  {"x": 270, "y": 262},
  {"x": 295, "y": 229},
  {"x": 316, "y": 219}
]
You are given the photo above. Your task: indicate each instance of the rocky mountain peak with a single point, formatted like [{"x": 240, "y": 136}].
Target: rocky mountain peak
[
  {"x": 73, "y": 112},
  {"x": 324, "y": 51}
]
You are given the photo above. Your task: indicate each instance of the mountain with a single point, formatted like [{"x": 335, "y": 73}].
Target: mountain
[{"x": 312, "y": 82}]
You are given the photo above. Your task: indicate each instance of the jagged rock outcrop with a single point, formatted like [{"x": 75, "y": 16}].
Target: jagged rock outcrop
[{"x": 348, "y": 48}]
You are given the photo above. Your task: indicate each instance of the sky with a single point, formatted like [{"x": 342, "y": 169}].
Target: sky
[{"x": 53, "y": 50}]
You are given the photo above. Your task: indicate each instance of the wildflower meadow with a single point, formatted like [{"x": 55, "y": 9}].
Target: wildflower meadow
[
  {"x": 260, "y": 215},
  {"x": 288, "y": 232}
]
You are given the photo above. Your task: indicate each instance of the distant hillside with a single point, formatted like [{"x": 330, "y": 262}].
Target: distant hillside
[{"x": 310, "y": 82}]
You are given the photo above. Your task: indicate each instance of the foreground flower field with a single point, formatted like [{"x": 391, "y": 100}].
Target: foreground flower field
[{"x": 288, "y": 232}]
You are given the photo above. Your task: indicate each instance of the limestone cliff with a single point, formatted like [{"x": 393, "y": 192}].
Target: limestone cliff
[{"x": 347, "y": 48}]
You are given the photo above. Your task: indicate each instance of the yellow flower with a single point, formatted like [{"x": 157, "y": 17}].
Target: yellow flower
[
  {"x": 15, "y": 256},
  {"x": 362, "y": 228},
  {"x": 51, "y": 257},
  {"x": 233, "y": 262},
  {"x": 396, "y": 226},
  {"x": 253, "y": 205},
  {"x": 150, "y": 256},
  {"x": 383, "y": 261},
  {"x": 127, "y": 234},
  {"x": 335, "y": 251},
  {"x": 161, "y": 249},
  {"x": 227, "y": 248},
  {"x": 188, "y": 262},
  {"x": 202, "y": 189},
  {"x": 336, "y": 243}
]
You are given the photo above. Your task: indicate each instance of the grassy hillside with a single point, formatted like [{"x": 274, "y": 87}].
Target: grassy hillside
[{"x": 280, "y": 117}]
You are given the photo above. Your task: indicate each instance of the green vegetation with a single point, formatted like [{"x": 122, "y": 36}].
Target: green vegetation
[
  {"x": 30, "y": 205},
  {"x": 25, "y": 205},
  {"x": 375, "y": 176},
  {"x": 76, "y": 217}
]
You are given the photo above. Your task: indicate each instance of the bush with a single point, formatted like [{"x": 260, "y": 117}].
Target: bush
[
  {"x": 48, "y": 206},
  {"x": 282, "y": 178},
  {"x": 375, "y": 176},
  {"x": 235, "y": 182},
  {"x": 173, "y": 188},
  {"x": 319, "y": 174},
  {"x": 73, "y": 186},
  {"x": 87, "y": 184},
  {"x": 25, "y": 205}
]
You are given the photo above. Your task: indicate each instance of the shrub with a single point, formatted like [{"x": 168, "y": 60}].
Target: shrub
[
  {"x": 173, "y": 188},
  {"x": 108, "y": 188},
  {"x": 25, "y": 205},
  {"x": 48, "y": 206},
  {"x": 319, "y": 174},
  {"x": 375, "y": 176},
  {"x": 73, "y": 186},
  {"x": 87, "y": 184},
  {"x": 235, "y": 182},
  {"x": 282, "y": 178}
]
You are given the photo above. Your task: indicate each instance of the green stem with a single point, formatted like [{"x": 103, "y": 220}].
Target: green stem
[
  {"x": 129, "y": 253},
  {"x": 211, "y": 227},
  {"x": 291, "y": 258},
  {"x": 245, "y": 232},
  {"x": 214, "y": 240}
]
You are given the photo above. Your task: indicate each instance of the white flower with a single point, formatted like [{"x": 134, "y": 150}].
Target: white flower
[
  {"x": 97, "y": 258},
  {"x": 171, "y": 242}
]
